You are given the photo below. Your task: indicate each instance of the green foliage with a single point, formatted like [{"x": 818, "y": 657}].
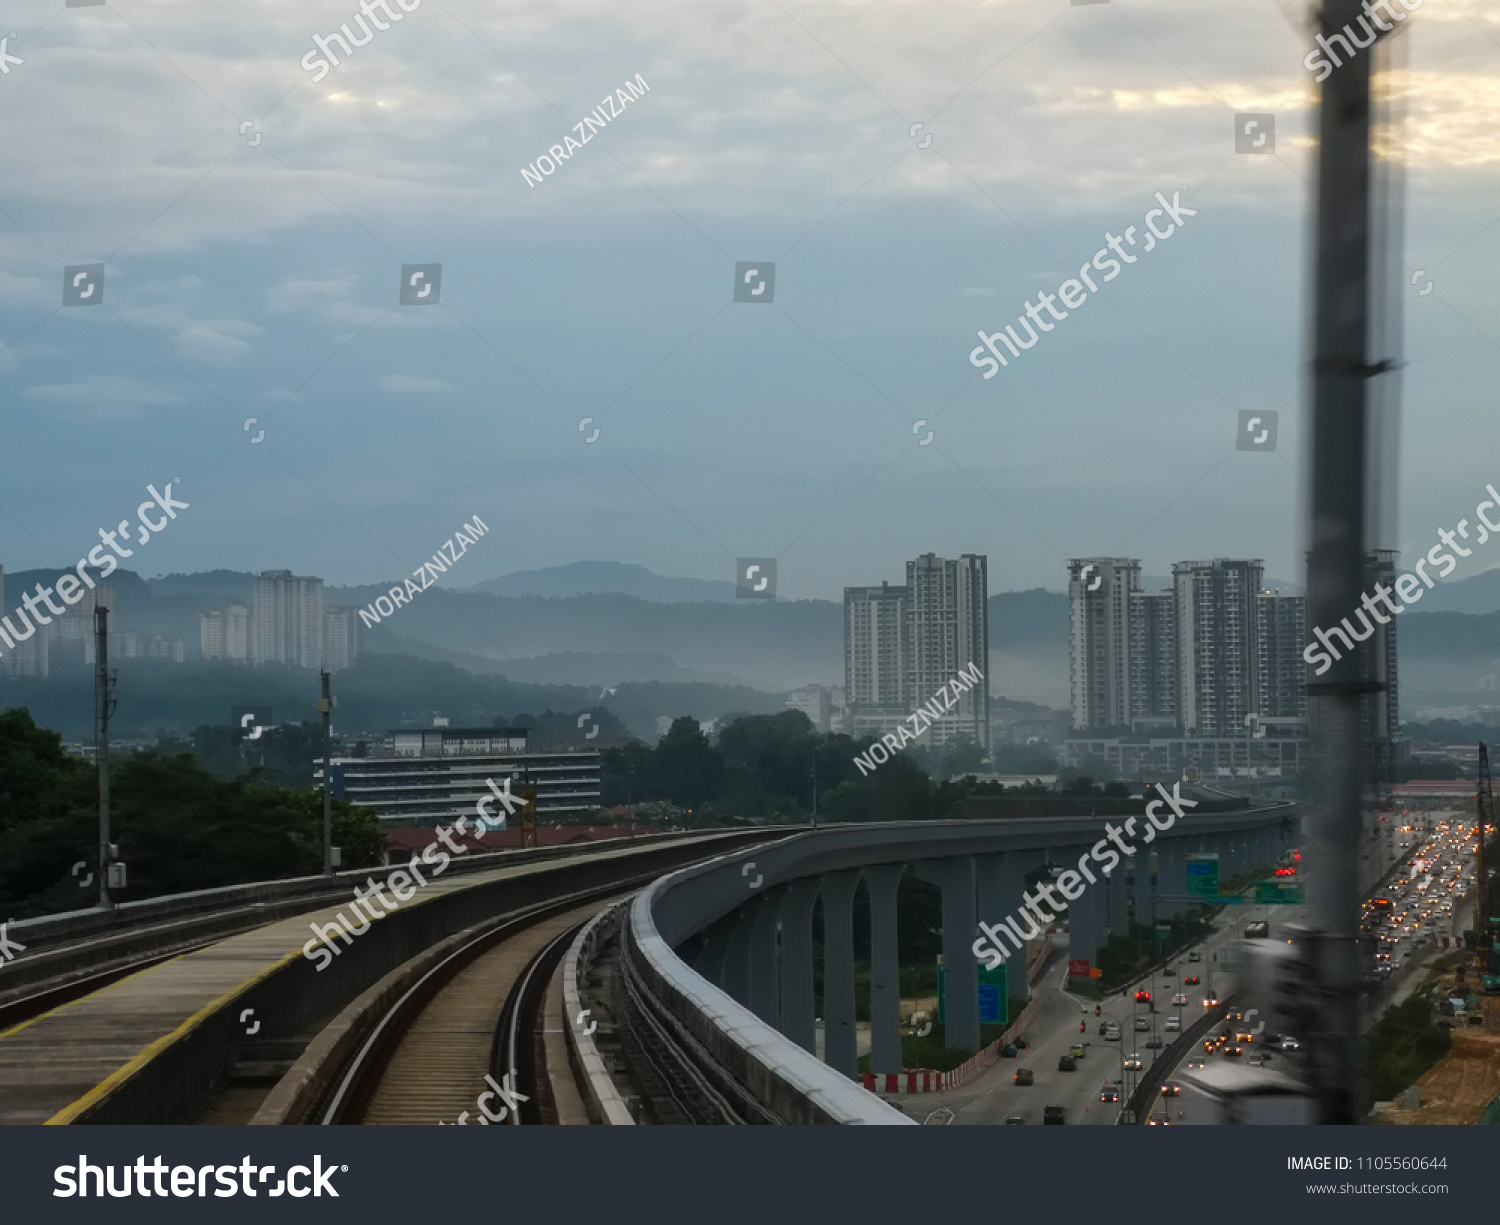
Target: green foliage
[
  {"x": 1405, "y": 1042},
  {"x": 178, "y": 826},
  {"x": 1022, "y": 759}
]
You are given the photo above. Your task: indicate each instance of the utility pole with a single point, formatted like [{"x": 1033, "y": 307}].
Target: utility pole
[
  {"x": 325, "y": 708},
  {"x": 815, "y": 786},
  {"x": 1341, "y": 374},
  {"x": 104, "y": 707}
]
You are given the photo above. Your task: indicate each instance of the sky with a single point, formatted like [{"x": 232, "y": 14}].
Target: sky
[{"x": 253, "y": 225}]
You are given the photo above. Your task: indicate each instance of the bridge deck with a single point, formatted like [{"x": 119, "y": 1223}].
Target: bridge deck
[{"x": 55, "y": 1065}]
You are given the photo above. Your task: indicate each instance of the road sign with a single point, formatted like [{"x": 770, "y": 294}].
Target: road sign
[
  {"x": 1280, "y": 893},
  {"x": 1163, "y": 931},
  {"x": 994, "y": 1006},
  {"x": 1202, "y": 875},
  {"x": 1078, "y": 969},
  {"x": 991, "y": 1008}
]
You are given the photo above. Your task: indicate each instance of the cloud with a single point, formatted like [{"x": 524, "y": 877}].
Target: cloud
[
  {"x": 104, "y": 397},
  {"x": 412, "y": 384}
]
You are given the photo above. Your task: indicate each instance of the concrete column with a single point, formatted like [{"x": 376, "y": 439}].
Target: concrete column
[
  {"x": 737, "y": 959},
  {"x": 710, "y": 959},
  {"x": 1118, "y": 905},
  {"x": 955, "y": 876},
  {"x": 763, "y": 994},
  {"x": 885, "y": 969},
  {"x": 1087, "y": 923},
  {"x": 840, "y": 1039},
  {"x": 797, "y": 1015},
  {"x": 1171, "y": 880},
  {"x": 1000, "y": 884},
  {"x": 1145, "y": 910}
]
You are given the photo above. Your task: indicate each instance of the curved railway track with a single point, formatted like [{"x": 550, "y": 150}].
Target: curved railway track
[{"x": 474, "y": 1012}]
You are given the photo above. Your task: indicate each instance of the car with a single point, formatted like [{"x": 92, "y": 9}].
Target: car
[
  {"x": 1154, "y": 1044},
  {"x": 1190, "y": 981},
  {"x": 1196, "y": 1064},
  {"x": 1067, "y": 1063},
  {"x": 1172, "y": 1025},
  {"x": 1022, "y": 1044},
  {"x": 1289, "y": 1043},
  {"x": 1112, "y": 1034},
  {"x": 1195, "y": 956},
  {"x": 1142, "y": 1024},
  {"x": 1133, "y": 1064},
  {"x": 1104, "y": 1028},
  {"x": 1077, "y": 1050},
  {"x": 1143, "y": 997},
  {"x": 1110, "y": 1093},
  {"x": 1025, "y": 1076},
  {"x": 1014, "y": 1120},
  {"x": 1170, "y": 1088},
  {"x": 1169, "y": 970},
  {"x": 1180, "y": 999},
  {"x": 1232, "y": 1050},
  {"x": 1259, "y": 1059},
  {"x": 1008, "y": 1051},
  {"x": 1211, "y": 1000},
  {"x": 1054, "y": 1115}
]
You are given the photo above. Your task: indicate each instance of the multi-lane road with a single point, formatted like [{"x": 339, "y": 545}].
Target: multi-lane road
[{"x": 1054, "y": 1026}]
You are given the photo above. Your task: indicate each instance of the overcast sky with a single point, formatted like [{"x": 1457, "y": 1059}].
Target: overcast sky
[{"x": 260, "y": 280}]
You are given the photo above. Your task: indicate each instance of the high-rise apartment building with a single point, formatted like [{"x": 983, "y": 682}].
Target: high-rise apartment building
[
  {"x": 1216, "y": 624},
  {"x": 340, "y": 637},
  {"x": 1280, "y": 671},
  {"x": 1099, "y": 595},
  {"x": 287, "y": 626},
  {"x": 1153, "y": 659},
  {"x": 902, "y": 645},
  {"x": 224, "y": 633},
  {"x": 876, "y": 651}
]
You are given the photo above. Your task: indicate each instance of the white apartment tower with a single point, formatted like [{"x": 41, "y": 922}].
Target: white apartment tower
[
  {"x": 876, "y": 651},
  {"x": 340, "y": 637},
  {"x": 1216, "y": 623},
  {"x": 1099, "y": 602},
  {"x": 948, "y": 629},
  {"x": 287, "y": 626}
]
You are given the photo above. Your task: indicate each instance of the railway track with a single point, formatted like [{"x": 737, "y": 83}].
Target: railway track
[{"x": 474, "y": 1012}]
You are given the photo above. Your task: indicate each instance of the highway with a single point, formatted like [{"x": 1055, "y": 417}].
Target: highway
[{"x": 992, "y": 1097}]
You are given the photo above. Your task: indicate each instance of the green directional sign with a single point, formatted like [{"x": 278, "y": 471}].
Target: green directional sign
[
  {"x": 1202, "y": 875},
  {"x": 1280, "y": 893}
]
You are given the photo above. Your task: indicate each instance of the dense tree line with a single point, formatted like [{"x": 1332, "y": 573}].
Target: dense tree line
[
  {"x": 762, "y": 766},
  {"x": 177, "y": 825}
]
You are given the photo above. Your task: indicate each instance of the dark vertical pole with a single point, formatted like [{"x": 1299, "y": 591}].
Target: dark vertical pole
[
  {"x": 103, "y": 699},
  {"x": 325, "y": 707},
  {"x": 1341, "y": 370}
]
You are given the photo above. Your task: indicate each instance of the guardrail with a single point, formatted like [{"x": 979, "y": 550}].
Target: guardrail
[
  {"x": 179, "y": 1073},
  {"x": 1148, "y": 1088},
  {"x": 63, "y": 947}
]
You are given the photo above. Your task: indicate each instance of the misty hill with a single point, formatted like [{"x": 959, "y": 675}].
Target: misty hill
[
  {"x": 379, "y": 693},
  {"x": 607, "y": 577}
]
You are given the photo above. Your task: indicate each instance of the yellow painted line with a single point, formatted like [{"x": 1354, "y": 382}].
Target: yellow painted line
[
  {"x": 119, "y": 982},
  {"x": 124, "y": 1073}
]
